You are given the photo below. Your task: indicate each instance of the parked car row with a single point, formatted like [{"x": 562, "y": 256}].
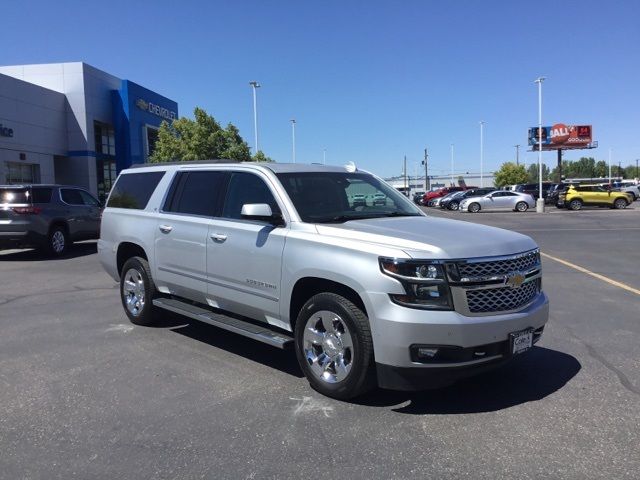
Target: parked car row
[{"x": 522, "y": 197}]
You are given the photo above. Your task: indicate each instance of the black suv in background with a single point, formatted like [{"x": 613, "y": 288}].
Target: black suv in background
[
  {"x": 47, "y": 217},
  {"x": 533, "y": 189},
  {"x": 453, "y": 202}
]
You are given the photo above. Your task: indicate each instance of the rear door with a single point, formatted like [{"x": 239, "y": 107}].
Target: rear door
[
  {"x": 182, "y": 232},
  {"x": 76, "y": 212},
  {"x": 244, "y": 257}
]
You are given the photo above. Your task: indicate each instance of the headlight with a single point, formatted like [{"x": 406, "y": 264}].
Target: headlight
[{"x": 424, "y": 282}]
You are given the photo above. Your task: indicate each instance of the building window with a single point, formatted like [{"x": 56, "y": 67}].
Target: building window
[
  {"x": 151, "y": 137},
  {"x": 22, "y": 173},
  {"x": 105, "y": 139}
]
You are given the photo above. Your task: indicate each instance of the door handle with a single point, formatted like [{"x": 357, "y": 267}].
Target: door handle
[
  {"x": 165, "y": 228},
  {"x": 218, "y": 237}
]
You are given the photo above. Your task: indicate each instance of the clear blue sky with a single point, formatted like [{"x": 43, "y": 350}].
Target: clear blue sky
[{"x": 370, "y": 81}]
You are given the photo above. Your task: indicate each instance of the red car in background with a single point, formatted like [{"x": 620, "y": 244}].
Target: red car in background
[{"x": 441, "y": 192}]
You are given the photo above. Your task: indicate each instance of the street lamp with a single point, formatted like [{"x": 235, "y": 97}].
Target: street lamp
[
  {"x": 293, "y": 139},
  {"x": 481, "y": 154},
  {"x": 255, "y": 85},
  {"x": 540, "y": 201},
  {"x": 452, "y": 182}
]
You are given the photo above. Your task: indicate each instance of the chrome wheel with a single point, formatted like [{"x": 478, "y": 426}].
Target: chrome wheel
[
  {"x": 133, "y": 291},
  {"x": 522, "y": 206},
  {"x": 58, "y": 241},
  {"x": 328, "y": 346}
]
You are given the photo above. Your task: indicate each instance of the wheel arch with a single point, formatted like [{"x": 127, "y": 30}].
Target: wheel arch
[
  {"x": 126, "y": 250},
  {"x": 307, "y": 287}
]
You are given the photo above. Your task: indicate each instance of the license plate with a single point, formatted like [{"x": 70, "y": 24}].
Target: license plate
[{"x": 521, "y": 341}]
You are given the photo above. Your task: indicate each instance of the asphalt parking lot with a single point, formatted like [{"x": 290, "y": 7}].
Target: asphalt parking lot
[{"x": 85, "y": 394}]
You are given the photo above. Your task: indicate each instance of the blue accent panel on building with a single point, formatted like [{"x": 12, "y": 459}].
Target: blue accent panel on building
[
  {"x": 135, "y": 107},
  {"x": 81, "y": 153}
]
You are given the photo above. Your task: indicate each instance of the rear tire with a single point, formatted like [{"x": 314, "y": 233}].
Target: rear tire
[
  {"x": 58, "y": 241},
  {"x": 474, "y": 207},
  {"x": 453, "y": 206},
  {"x": 334, "y": 346},
  {"x": 137, "y": 291},
  {"x": 522, "y": 206},
  {"x": 575, "y": 205}
]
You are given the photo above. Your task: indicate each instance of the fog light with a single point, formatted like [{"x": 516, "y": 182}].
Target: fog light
[{"x": 425, "y": 352}]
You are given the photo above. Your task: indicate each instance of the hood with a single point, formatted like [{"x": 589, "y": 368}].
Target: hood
[{"x": 430, "y": 237}]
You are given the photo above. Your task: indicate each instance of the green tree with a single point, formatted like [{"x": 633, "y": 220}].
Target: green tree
[
  {"x": 261, "y": 157},
  {"x": 533, "y": 172},
  {"x": 199, "y": 139},
  {"x": 510, "y": 174}
]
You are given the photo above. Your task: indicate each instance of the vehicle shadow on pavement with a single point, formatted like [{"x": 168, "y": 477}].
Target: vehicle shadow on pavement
[
  {"x": 283, "y": 360},
  {"x": 527, "y": 378},
  {"x": 76, "y": 250}
]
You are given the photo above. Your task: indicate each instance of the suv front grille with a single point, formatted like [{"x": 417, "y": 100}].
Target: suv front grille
[
  {"x": 502, "y": 299},
  {"x": 494, "y": 268}
]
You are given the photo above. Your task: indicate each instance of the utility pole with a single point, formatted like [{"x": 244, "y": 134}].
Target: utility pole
[
  {"x": 405, "y": 175},
  {"x": 255, "y": 85},
  {"x": 517, "y": 154},
  {"x": 293, "y": 139},
  {"x": 426, "y": 171}
]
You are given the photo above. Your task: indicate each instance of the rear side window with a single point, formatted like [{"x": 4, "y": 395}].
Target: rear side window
[
  {"x": 15, "y": 195},
  {"x": 196, "y": 193},
  {"x": 133, "y": 190},
  {"x": 71, "y": 196},
  {"x": 41, "y": 195}
]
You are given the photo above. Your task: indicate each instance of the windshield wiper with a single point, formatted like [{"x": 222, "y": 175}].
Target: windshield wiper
[
  {"x": 346, "y": 218},
  {"x": 401, "y": 214}
]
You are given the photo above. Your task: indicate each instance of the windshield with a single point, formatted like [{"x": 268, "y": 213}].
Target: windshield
[{"x": 335, "y": 197}]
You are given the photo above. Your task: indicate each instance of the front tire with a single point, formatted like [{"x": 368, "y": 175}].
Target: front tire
[
  {"x": 575, "y": 205},
  {"x": 334, "y": 346},
  {"x": 474, "y": 207},
  {"x": 522, "y": 206},
  {"x": 137, "y": 291},
  {"x": 620, "y": 203},
  {"x": 453, "y": 206}
]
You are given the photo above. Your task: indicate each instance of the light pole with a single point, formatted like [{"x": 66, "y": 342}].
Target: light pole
[
  {"x": 517, "y": 154},
  {"x": 293, "y": 139},
  {"x": 255, "y": 85},
  {"x": 452, "y": 183},
  {"x": 540, "y": 201},
  {"x": 637, "y": 177},
  {"x": 324, "y": 156},
  {"x": 609, "y": 167},
  {"x": 481, "y": 154}
]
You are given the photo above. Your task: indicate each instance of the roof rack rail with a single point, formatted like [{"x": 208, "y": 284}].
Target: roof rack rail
[{"x": 186, "y": 162}]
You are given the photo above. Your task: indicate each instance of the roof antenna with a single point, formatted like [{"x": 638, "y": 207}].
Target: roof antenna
[{"x": 350, "y": 167}]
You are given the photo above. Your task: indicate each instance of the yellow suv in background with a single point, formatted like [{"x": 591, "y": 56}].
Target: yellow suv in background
[{"x": 577, "y": 196}]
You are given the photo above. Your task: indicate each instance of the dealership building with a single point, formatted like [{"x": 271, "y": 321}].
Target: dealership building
[{"x": 73, "y": 124}]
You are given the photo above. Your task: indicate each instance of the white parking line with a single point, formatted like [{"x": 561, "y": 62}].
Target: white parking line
[{"x": 593, "y": 274}]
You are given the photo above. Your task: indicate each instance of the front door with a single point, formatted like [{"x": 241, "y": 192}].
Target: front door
[{"x": 244, "y": 257}]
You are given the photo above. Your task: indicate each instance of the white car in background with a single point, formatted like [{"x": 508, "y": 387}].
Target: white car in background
[{"x": 498, "y": 200}]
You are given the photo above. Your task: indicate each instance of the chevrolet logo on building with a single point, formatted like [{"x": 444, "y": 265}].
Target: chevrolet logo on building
[
  {"x": 515, "y": 279},
  {"x": 141, "y": 104}
]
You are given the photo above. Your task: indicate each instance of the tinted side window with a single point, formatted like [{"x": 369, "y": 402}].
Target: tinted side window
[
  {"x": 71, "y": 196},
  {"x": 133, "y": 190},
  {"x": 88, "y": 199},
  {"x": 196, "y": 193},
  {"x": 246, "y": 188},
  {"x": 41, "y": 195}
]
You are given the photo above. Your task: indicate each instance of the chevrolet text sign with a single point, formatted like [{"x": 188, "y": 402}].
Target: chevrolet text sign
[{"x": 156, "y": 109}]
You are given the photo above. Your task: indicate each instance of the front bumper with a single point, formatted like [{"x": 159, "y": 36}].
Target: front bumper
[{"x": 395, "y": 329}]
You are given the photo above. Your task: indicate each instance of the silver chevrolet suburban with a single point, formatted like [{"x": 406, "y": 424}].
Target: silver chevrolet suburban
[{"x": 366, "y": 294}]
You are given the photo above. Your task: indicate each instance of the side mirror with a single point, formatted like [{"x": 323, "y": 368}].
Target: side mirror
[{"x": 261, "y": 211}]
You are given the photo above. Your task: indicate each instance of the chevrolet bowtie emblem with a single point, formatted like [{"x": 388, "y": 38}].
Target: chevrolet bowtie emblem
[
  {"x": 515, "y": 279},
  {"x": 141, "y": 104}
]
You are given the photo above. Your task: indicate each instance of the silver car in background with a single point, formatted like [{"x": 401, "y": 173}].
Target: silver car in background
[{"x": 498, "y": 200}]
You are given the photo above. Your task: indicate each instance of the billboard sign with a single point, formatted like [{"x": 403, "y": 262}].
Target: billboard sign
[{"x": 561, "y": 136}]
